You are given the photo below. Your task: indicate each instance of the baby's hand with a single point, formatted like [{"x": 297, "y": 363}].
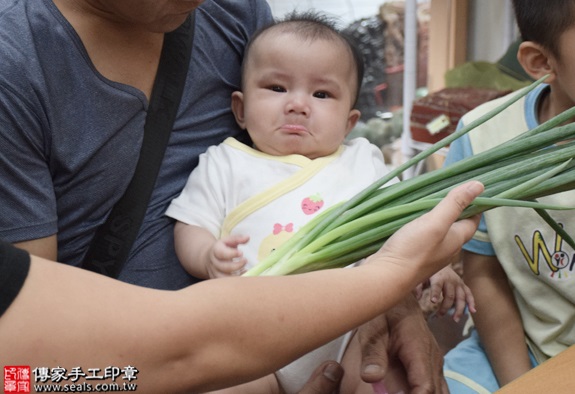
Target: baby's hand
[
  {"x": 225, "y": 257},
  {"x": 450, "y": 285}
]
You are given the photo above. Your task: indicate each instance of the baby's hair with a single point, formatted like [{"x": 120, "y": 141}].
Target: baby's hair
[
  {"x": 543, "y": 22},
  {"x": 312, "y": 25}
]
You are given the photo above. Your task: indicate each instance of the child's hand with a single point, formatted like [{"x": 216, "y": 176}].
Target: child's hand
[
  {"x": 225, "y": 257},
  {"x": 450, "y": 285}
]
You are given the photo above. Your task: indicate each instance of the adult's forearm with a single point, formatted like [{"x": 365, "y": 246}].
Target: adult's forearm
[
  {"x": 213, "y": 334},
  {"x": 304, "y": 312}
]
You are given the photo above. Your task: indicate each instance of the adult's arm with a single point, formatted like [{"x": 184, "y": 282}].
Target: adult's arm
[
  {"x": 505, "y": 344},
  {"x": 219, "y": 332}
]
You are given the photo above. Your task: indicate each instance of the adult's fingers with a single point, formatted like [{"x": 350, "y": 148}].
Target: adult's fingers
[
  {"x": 449, "y": 209},
  {"x": 374, "y": 339},
  {"x": 324, "y": 380},
  {"x": 414, "y": 346}
]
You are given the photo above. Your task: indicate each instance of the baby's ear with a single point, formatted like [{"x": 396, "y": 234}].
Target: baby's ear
[
  {"x": 352, "y": 120},
  {"x": 536, "y": 60},
  {"x": 238, "y": 108}
]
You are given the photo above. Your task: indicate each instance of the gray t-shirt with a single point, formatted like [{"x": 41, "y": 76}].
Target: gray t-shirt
[{"x": 70, "y": 138}]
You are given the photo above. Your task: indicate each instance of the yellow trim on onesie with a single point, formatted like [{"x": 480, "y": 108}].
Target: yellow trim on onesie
[{"x": 309, "y": 168}]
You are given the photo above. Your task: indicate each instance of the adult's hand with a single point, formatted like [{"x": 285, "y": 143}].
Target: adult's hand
[
  {"x": 442, "y": 233},
  {"x": 325, "y": 379},
  {"x": 399, "y": 350}
]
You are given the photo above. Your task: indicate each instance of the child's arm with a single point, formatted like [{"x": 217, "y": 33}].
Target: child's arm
[
  {"x": 497, "y": 319},
  {"x": 206, "y": 257},
  {"x": 447, "y": 287}
]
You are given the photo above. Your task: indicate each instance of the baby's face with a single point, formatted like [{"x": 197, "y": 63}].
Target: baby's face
[{"x": 297, "y": 95}]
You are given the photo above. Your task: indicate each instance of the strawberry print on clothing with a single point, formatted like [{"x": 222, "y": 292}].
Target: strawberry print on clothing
[{"x": 312, "y": 204}]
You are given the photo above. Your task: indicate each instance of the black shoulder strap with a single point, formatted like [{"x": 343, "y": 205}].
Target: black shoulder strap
[{"x": 114, "y": 238}]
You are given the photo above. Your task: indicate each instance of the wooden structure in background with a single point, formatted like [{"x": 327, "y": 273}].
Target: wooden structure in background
[
  {"x": 554, "y": 376},
  {"x": 447, "y": 39}
]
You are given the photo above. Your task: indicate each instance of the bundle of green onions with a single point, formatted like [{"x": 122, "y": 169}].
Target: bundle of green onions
[{"x": 514, "y": 173}]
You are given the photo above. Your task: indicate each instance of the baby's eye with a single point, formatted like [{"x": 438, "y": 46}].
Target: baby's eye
[
  {"x": 321, "y": 95},
  {"x": 277, "y": 88}
]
